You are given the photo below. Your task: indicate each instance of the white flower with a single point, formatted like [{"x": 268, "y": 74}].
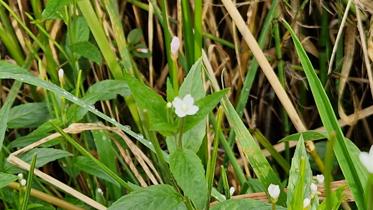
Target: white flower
[
  {"x": 274, "y": 191},
  {"x": 175, "y": 45},
  {"x": 20, "y": 176},
  {"x": 184, "y": 106},
  {"x": 231, "y": 190},
  {"x": 367, "y": 159},
  {"x": 99, "y": 191},
  {"x": 320, "y": 178},
  {"x": 313, "y": 189},
  {"x": 306, "y": 203},
  {"x": 23, "y": 182}
]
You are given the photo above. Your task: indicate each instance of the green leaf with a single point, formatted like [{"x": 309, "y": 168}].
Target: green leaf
[
  {"x": 44, "y": 155},
  {"x": 300, "y": 177},
  {"x": 53, "y": 9},
  {"x": 244, "y": 204},
  {"x": 337, "y": 197},
  {"x": 331, "y": 124},
  {"x": 87, "y": 50},
  {"x": 307, "y": 136},
  {"x": 28, "y": 115},
  {"x": 11, "y": 71},
  {"x": 251, "y": 150},
  {"x": 100, "y": 91},
  {"x": 193, "y": 85},
  {"x": 189, "y": 174},
  {"x": 85, "y": 164},
  {"x": 156, "y": 197},
  {"x": 148, "y": 99},
  {"x": 5, "y": 179},
  {"x": 79, "y": 31},
  {"x": 206, "y": 105},
  {"x": 134, "y": 36}
]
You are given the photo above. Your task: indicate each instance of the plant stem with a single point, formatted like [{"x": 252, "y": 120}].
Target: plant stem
[{"x": 179, "y": 141}]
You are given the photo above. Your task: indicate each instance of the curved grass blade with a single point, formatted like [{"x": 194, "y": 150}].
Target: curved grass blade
[{"x": 330, "y": 122}]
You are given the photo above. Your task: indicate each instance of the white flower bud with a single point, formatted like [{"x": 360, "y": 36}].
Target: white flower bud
[
  {"x": 320, "y": 179},
  {"x": 231, "y": 190},
  {"x": 143, "y": 50},
  {"x": 99, "y": 191},
  {"x": 23, "y": 182},
  {"x": 306, "y": 203},
  {"x": 20, "y": 176},
  {"x": 313, "y": 189},
  {"x": 169, "y": 105},
  {"x": 175, "y": 45},
  {"x": 274, "y": 191},
  {"x": 367, "y": 159}
]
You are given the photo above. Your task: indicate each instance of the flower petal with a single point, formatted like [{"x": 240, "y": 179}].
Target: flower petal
[
  {"x": 188, "y": 100},
  {"x": 180, "y": 112},
  {"x": 192, "y": 110},
  {"x": 177, "y": 102},
  {"x": 366, "y": 161}
]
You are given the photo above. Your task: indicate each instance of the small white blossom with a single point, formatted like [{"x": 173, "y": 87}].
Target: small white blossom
[
  {"x": 320, "y": 179},
  {"x": 274, "y": 191},
  {"x": 306, "y": 202},
  {"x": 142, "y": 50},
  {"x": 20, "y": 176},
  {"x": 367, "y": 159},
  {"x": 169, "y": 105},
  {"x": 175, "y": 45},
  {"x": 313, "y": 189},
  {"x": 184, "y": 106},
  {"x": 23, "y": 182},
  {"x": 231, "y": 190},
  {"x": 99, "y": 191}
]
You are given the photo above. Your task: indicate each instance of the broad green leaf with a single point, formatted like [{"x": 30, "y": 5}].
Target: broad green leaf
[
  {"x": 42, "y": 131},
  {"x": 330, "y": 122},
  {"x": 307, "y": 136},
  {"x": 44, "y": 155},
  {"x": 29, "y": 115},
  {"x": 193, "y": 85},
  {"x": 134, "y": 36},
  {"x": 156, "y": 197},
  {"x": 241, "y": 204},
  {"x": 251, "y": 150},
  {"x": 85, "y": 164},
  {"x": 107, "y": 155},
  {"x": 53, "y": 9},
  {"x": 87, "y": 50},
  {"x": 100, "y": 91},
  {"x": 148, "y": 99},
  {"x": 79, "y": 31},
  {"x": 300, "y": 177},
  {"x": 189, "y": 174},
  {"x": 5, "y": 179}
]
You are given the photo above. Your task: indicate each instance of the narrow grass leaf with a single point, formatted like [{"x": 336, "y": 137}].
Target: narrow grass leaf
[
  {"x": 307, "y": 136},
  {"x": 330, "y": 122}
]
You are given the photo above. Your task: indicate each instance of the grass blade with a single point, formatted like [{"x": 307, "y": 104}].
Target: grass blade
[{"x": 330, "y": 122}]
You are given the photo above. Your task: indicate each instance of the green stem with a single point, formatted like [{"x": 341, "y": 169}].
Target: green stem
[
  {"x": 29, "y": 183},
  {"x": 197, "y": 29},
  {"x": 179, "y": 141}
]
